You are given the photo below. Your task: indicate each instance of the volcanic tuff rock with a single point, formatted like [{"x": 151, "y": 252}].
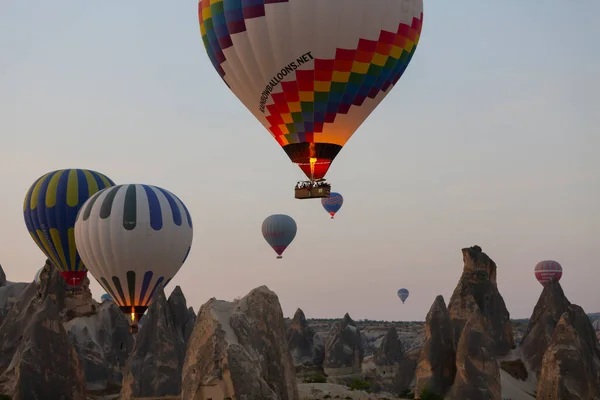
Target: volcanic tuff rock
[
  {"x": 79, "y": 301},
  {"x": 239, "y": 350},
  {"x": 405, "y": 373},
  {"x": 477, "y": 290},
  {"x": 391, "y": 350},
  {"x": 154, "y": 368},
  {"x": 103, "y": 344},
  {"x": 436, "y": 367},
  {"x": 9, "y": 295},
  {"x": 37, "y": 359},
  {"x": 571, "y": 363},
  {"x": 478, "y": 372},
  {"x": 183, "y": 317},
  {"x": 301, "y": 341},
  {"x": 343, "y": 348},
  {"x": 2, "y": 277},
  {"x": 551, "y": 305}
]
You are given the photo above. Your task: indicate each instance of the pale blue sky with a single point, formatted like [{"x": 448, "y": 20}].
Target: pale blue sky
[{"x": 490, "y": 138}]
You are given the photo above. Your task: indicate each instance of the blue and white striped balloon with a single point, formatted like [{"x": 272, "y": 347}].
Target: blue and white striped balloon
[
  {"x": 333, "y": 203},
  {"x": 133, "y": 239},
  {"x": 403, "y": 294}
]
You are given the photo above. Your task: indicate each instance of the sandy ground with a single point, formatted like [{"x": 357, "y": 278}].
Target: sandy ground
[{"x": 317, "y": 391}]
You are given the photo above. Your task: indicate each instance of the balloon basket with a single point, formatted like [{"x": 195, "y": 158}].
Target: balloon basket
[
  {"x": 311, "y": 192},
  {"x": 279, "y": 257},
  {"x": 133, "y": 329}
]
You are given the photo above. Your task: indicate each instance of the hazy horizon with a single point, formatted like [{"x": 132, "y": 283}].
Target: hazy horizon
[{"x": 490, "y": 138}]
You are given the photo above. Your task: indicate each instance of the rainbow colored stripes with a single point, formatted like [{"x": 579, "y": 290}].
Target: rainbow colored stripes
[
  {"x": 317, "y": 96},
  {"x": 219, "y": 19},
  {"x": 302, "y": 106},
  {"x": 50, "y": 210}
]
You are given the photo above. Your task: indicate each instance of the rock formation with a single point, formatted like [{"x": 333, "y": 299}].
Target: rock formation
[
  {"x": 477, "y": 290},
  {"x": 154, "y": 367},
  {"x": 301, "y": 341},
  {"x": 239, "y": 350},
  {"x": 343, "y": 349},
  {"x": 103, "y": 343},
  {"x": 551, "y": 305},
  {"x": 183, "y": 317},
  {"x": 478, "y": 372},
  {"x": 79, "y": 301},
  {"x": 405, "y": 375},
  {"x": 37, "y": 359},
  {"x": 571, "y": 363},
  {"x": 391, "y": 350},
  {"x": 436, "y": 367},
  {"x": 2, "y": 277},
  {"x": 9, "y": 294}
]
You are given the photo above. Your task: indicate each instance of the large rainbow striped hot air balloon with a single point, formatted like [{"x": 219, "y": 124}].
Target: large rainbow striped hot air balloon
[
  {"x": 311, "y": 71},
  {"x": 50, "y": 209}
]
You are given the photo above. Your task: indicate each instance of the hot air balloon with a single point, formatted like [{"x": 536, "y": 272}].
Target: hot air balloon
[
  {"x": 50, "y": 209},
  {"x": 279, "y": 230},
  {"x": 38, "y": 274},
  {"x": 403, "y": 294},
  {"x": 106, "y": 297},
  {"x": 310, "y": 71},
  {"x": 333, "y": 203},
  {"x": 133, "y": 239},
  {"x": 547, "y": 270}
]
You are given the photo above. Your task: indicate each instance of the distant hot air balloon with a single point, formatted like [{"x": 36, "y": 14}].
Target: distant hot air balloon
[
  {"x": 333, "y": 203},
  {"x": 134, "y": 239},
  {"x": 50, "y": 209},
  {"x": 403, "y": 294},
  {"x": 311, "y": 71},
  {"x": 279, "y": 230},
  {"x": 38, "y": 275},
  {"x": 547, "y": 270},
  {"x": 106, "y": 297}
]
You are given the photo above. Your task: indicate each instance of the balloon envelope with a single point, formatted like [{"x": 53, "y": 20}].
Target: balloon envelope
[
  {"x": 38, "y": 275},
  {"x": 50, "y": 209},
  {"x": 310, "y": 71},
  {"x": 279, "y": 230},
  {"x": 134, "y": 239},
  {"x": 333, "y": 203},
  {"x": 547, "y": 270},
  {"x": 403, "y": 294}
]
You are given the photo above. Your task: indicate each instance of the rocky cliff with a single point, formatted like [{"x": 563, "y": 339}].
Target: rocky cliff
[
  {"x": 239, "y": 350},
  {"x": 436, "y": 367},
  {"x": 154, "y": 367},
  {"x": 306, "y": 349},
  {"x": 571, "y": 364},
  {"x": 103, "y": 343},
  {"x": 551, "y": 305},
  {"x": 477, "y": 291},
  {"x": 344, "y": 352},
  {"x": 37, "y": 358},
  {"x": 477, "y": 371}
]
